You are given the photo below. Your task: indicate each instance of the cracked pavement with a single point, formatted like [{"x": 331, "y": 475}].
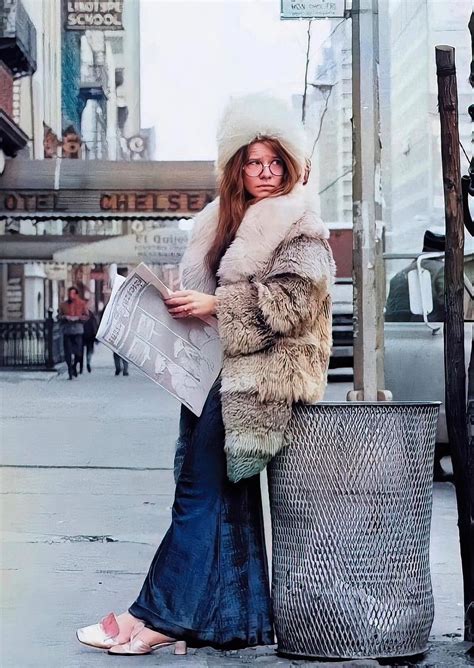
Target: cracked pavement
[{"x": 87, "y": 488}]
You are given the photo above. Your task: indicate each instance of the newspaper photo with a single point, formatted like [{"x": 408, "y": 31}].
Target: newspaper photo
[{"x": 183, "y": 356}]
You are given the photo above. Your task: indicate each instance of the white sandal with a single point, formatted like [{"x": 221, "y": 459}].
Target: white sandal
[
  {"x": 102, "y": 635},
  {"x": 136, "y": 646}
]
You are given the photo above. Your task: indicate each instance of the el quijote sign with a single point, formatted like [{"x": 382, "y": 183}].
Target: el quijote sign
[{"x": 93, "y": 14}]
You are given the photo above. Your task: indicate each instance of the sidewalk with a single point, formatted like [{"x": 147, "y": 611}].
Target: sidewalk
[{"x": 87, "y": 490}]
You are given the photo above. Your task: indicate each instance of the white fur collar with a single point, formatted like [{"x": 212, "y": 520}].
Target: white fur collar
[{"x": 264, "y": 226}]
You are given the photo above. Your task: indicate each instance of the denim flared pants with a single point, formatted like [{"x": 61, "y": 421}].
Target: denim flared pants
[{"x": 208, "y": 582}]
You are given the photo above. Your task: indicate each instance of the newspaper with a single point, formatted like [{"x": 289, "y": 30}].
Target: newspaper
[{"x": 183, "y": 356}]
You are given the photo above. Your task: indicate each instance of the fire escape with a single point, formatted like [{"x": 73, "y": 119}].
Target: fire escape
[{"x": 17, "y": 59}]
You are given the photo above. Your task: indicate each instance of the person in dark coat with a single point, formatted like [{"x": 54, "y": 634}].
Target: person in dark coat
[
  {"x": 121, "y": 365},
  {"x": 72, "y": 314},
  {"x": 90, "y": 330}
]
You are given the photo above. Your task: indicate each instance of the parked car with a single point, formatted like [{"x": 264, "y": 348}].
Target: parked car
[
  {"x": 342, "y": 355},
  {"x": 414, "y": 349}
]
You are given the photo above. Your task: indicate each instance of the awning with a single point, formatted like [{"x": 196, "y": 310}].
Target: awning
[
  {"x": 159, "y": 246},
  {"x": 64, "y": 189},
  {"x": 41, "y": 248}
]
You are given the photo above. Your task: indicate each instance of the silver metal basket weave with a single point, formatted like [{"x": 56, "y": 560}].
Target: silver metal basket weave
[{"x": 351, "y": 509}]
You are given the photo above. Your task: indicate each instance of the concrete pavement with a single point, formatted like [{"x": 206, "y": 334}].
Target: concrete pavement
[{"x": 87, "y": 487}]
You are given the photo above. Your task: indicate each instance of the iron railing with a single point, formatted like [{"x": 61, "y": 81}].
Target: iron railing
[{"x": 34, "y": 344}]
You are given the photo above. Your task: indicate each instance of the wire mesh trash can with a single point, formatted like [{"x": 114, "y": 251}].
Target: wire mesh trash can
[{"x": 350, "y": 503}]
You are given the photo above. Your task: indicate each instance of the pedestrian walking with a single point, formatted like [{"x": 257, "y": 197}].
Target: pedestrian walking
[
  {"x": 121, "y": 365},
  {"x": 259, "y": 260},
  {"x": 73, "y": 313},
  {"x": 90, "y": 330}
]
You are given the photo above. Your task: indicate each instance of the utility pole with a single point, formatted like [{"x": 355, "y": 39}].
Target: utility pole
[
  {"x": 454, "y": 363},
  {"x": 367, "y": 210}
]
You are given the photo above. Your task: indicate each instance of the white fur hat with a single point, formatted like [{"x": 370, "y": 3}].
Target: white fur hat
[{"x": 257, "y": 115}]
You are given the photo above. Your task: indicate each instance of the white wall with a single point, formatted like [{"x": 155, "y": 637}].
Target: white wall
[
  {"x": 40, "y": 95},
  {"x": 112, "y": 127},
  {"x": 52, "y": 65},
  {"x": 34, "y": 291},
  {"x": 131, "y": 60},
  {"x": 125, "y": 47}
]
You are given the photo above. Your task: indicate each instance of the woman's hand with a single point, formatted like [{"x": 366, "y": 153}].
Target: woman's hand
[{"x": 191, "y": 303}]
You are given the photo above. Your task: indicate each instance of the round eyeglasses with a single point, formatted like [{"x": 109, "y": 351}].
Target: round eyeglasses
[{"x": 255, "y": 167}]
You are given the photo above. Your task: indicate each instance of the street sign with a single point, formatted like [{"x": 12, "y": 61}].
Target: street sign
[
  {"x": 93, "y": 14},
  {"x": 312, "y": 9}
]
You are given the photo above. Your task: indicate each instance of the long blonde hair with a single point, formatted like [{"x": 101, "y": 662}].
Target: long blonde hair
[{"x": 235, "y": 200}]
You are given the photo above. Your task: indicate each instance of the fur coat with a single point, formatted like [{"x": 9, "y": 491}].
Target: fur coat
[{"x": 274, "y": 316}]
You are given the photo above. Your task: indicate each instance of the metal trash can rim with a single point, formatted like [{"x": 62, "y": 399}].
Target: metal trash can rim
[{"x": 373, "y": 403}]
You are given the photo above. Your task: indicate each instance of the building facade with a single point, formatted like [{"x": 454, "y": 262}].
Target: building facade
[
  {"x": 37, "y": 98},
  {"x": 332, "y": 129},
  {"x": 31, "y": 99},
  {"x": 18, "y": 42},
  {"x": 412, "y": 176},
  {"x": 101, "y": 89},
  {"x": 327, "y": 119},
  {"x": 412, "y": 185},
  {"x": 73, "y": 94},
  {"x": 109, "y": 212}
]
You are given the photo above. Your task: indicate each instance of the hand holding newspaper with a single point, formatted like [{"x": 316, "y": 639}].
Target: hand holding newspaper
[{"x": 183, "y": 356}]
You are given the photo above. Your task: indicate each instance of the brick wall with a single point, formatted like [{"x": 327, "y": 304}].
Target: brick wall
[{"x": 6, "y": 90}]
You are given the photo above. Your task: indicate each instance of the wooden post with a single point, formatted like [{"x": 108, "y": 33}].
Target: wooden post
[
  {"x": 367, "y": 255},
  {"x": 454, "y": 363}
]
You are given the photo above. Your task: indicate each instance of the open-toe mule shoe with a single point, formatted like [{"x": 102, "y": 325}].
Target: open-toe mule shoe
[
  {"x": 136, "y": 646},
  {"x": 102, "y": 635}
]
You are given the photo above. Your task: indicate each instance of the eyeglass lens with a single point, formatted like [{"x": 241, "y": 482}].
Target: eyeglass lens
[{"x": 255, "y": 167}]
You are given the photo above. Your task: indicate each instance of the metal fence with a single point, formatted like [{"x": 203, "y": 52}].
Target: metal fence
[{"x": 34, "y": 344}]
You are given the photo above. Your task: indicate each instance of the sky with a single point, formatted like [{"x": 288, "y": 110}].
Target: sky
[{"x": 196, "y": 53}]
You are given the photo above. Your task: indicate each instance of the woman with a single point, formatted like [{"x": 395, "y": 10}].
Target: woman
[{"x": 260, "y": 261}]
